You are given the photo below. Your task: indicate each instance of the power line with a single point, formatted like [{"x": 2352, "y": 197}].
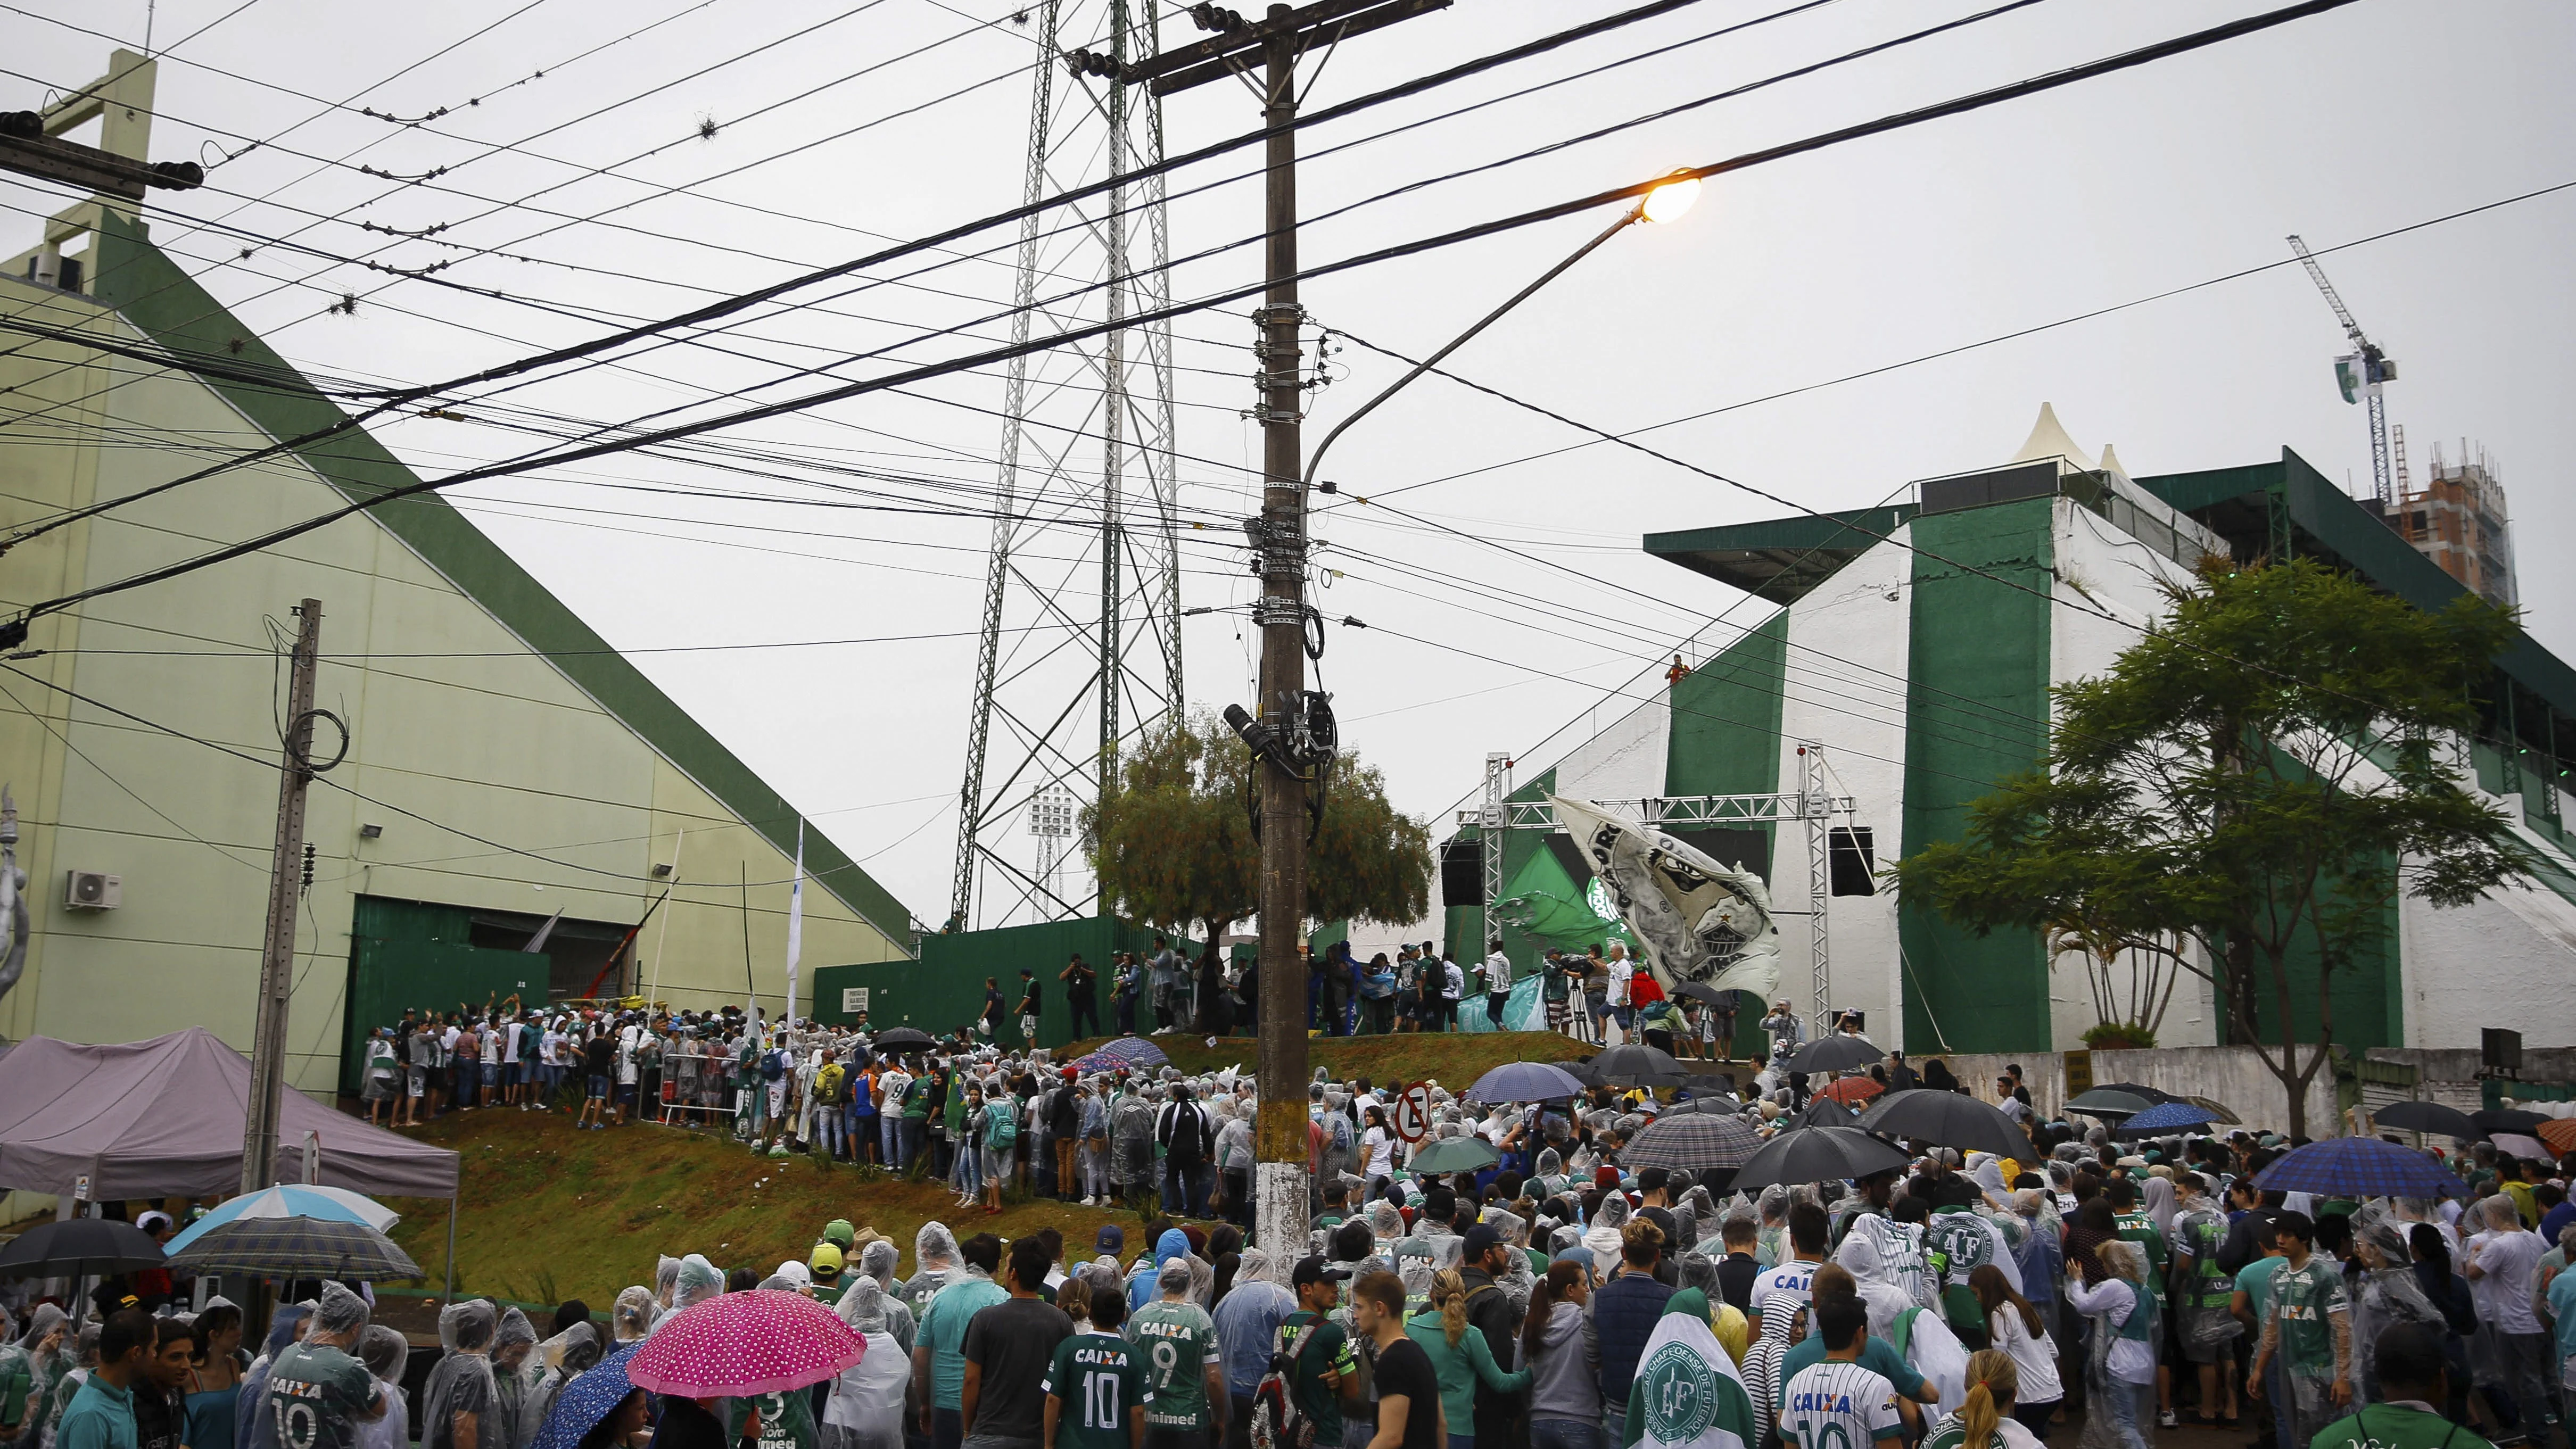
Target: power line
[{"x": 1941, "y": 110}]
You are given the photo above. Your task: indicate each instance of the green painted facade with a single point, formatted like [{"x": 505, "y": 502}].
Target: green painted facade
[
  {"x": 944, "y": 990},
  {"x": 1975, "y": 637}
]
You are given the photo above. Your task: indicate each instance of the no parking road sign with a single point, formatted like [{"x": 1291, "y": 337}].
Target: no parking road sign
[{"x": 1413, "y": 1112}]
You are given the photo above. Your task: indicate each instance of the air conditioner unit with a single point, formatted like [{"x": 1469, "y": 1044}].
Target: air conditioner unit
[{"x": 90, "y": 890}]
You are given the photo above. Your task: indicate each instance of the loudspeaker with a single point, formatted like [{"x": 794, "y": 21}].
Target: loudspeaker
[{"x": 1850, "y": 861}]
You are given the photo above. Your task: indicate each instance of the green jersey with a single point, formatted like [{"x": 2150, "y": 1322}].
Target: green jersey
[
  {"x": 2304, "y": 1299},
  {"x": 319, "y": 1394},
  {"x": 1327, "y": 1351},
  {"x": 1099, "y": 1377},
  {"x": 1179, "y": 1343},
  {"x": 786, "y": 1420},
  {"x": 2140, "y": 1229},
  {"x": 2389, "y": 1426},
  {"x": 2197, "y": 1236}
]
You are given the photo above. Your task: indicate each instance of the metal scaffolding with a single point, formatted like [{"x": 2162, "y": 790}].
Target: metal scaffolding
[{"x": 1076, "y": 660}]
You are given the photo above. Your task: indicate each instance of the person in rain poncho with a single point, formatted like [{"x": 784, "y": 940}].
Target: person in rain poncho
[
  {"x": 633, "y": 1314},
  {"x": 1603, "y": 1236},
  {"x": 28, "y": 1371},
  {"x": 1881, "y": 1279},
  {"x": 317, "y": 1393},
  {"x": 2306, "y": 1335},
  {"x": 2202, "y": 1292},
  {"x": 1173, "y": 1245},
  {"x": 461, "y": 1403},
  {"x": 877, "y": 1261},
  {"x": 253, "y": 1429},
  {"x": 1771, "y": 1239},
  {"x": 513, "y": 1343},
  {"x": 558, "y": 1361},
  {"x": 2389, "y": 1293},
  {"x": 936, "y": 1264},
  {"x": 2120, "y": 1371},
  {"x": 699, "y": 1281},
  {"x": 1549, "y": 1178},
  {"x": 865, "y": 1408},
  {"x": 666, "y": 1280},
  {"x": 386, "y": 1353}
]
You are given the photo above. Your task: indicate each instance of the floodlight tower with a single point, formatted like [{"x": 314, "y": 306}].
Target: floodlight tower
[
  {"x": 2360, "y": 373},
  {"x": 1081, "y": 655}
]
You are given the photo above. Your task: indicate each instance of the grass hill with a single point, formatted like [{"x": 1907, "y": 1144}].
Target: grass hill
[{"x": 548, "y": 1213}]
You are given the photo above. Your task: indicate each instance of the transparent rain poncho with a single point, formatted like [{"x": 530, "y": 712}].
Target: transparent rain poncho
[
  {"x": 386, "y": 1353},
  {"x": 462, "y": 1386},
  {"x": 252, "y": 1428},
  {"x": 559, "y": 1360},
  {"x": 632, "y": 1316},
  {"x": 698, "y": 1281},
  {"x": 877, "y": 1260},
  {"x": 340, "y": 1313},
  {"x": 934, "y": 1265},
  {"x": 666, "y": 1279},
  {"x": 40, "y": 1355}
]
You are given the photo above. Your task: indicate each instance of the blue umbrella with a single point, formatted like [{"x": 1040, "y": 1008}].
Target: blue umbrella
[
  {"x": 293, "y": 1200},
  {"x": 1132, "y": 1052},
  {"x": 1524, "y": 1082},
  {"x": 2359, "y": 1167},
  {"x": 591, "y": 1396},
  {"x": 2165, "y": 1117}
]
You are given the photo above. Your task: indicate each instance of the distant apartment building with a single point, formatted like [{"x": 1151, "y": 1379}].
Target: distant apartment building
[{"x": 2459, "y": 521}]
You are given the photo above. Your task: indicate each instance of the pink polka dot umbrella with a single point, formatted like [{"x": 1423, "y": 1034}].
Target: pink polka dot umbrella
[{"x": 762, "y": 1341}]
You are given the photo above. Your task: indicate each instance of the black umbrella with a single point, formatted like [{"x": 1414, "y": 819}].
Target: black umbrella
[
  {"x": 93, "y": 1247},
  {"x": 1638, "y": 1066},
  {"x": 1817, "y": 1154},
  {"x": 2427, "y": 1117},
  {"x": 1947, "y": 1119},
  {"x": 902, "y": 1039},
  {"x": 2507, "y": 1119},
  {"x": 1583, "y": 1072},
  {"x": 1840, "y": 1052},
  {"x": 1690, "y": 1142},
  {"x": 1702, "y": 991},
  {"x": 2135, "y": 1089},
  {"x": 2104, "y": 1102},
  {"x": 1824, "y": 1111}
]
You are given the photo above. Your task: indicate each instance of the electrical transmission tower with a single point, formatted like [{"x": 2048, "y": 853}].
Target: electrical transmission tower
[{"x": 1081, "y": 644}]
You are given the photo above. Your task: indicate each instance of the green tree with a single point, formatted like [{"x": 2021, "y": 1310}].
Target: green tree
[
  {"x": 1173, "y": 844},
  {"x": 2260, "y": 776}
]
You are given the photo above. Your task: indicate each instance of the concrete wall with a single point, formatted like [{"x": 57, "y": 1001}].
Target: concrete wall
[
  {"x": 503, "y": 785},
  {"x": 2230, "y": 1075}
]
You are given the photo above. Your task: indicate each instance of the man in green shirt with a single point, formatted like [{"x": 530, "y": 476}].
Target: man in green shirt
[
  {"x": 939, "y": 1344},
  {"x": 319, "y": 1393},
  {"x": 2307, "y": 1327},
  {"x": 1098, "y": 1389},
  {"x": 1179, "y": 1342},
  {"x": 1325, "y": 1364},
  {"x": 2408, "y": 1360}
]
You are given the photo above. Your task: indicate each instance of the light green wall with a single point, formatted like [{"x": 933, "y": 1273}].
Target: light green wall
[{"x": 507, "y": 747}]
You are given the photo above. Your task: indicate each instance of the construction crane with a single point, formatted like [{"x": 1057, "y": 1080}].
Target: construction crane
[{"x": 2360, "y": 374}]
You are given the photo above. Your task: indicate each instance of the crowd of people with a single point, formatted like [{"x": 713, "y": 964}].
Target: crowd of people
[{"x": 2103, "y": 1291}]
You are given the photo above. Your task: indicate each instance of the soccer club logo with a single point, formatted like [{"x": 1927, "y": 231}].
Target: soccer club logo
[{"x": 1681, "y": 1395}]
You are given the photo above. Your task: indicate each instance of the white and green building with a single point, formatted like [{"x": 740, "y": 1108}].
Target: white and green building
[
  {"x": 504, "y": 767},
  {"x": 1917, "y": 644}
]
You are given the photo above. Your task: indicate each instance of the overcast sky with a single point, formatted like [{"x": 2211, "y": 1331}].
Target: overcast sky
[{"x": 2373, "y": 117}]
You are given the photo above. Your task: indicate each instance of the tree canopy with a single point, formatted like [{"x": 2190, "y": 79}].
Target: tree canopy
[
  {"x": 2259, "y": 776},
  {"x": 1173, "y": 842}
]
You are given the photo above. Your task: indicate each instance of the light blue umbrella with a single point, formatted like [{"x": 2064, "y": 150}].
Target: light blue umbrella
[{"x": 294, "y": 1200}]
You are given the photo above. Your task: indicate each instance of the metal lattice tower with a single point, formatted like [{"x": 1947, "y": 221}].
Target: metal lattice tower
[{"x": 1078, "y": 657}]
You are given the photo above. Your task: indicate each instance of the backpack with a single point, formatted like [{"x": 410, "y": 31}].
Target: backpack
[
  {"x": 1341, "y": 1138},
  {"x": 1276, "y": 1421},
  {"x": 831, "y": 1086},
  {"x": 1001, "y": 1125},
  {"x": 773, "y": 1065}
]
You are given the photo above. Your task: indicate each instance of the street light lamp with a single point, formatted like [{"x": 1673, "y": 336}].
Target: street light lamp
[{"x": 1663, "y": 205}]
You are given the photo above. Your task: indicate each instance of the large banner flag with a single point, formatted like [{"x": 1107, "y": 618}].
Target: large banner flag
[
  {"x": 1695, "y": 920},
  {"x": 795, "y": 923},
  {"x": 1687, "y": 1394}
]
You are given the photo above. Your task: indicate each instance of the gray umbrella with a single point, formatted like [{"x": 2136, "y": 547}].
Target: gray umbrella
[
  {"x": 1817, "y": 1154},
  {"x": 1947, "y": 1119},
  {"x": 2106, "y": 1102},
  {"x": 1838, "y": 1052},
  {"x": 1691, "y": 1142}
]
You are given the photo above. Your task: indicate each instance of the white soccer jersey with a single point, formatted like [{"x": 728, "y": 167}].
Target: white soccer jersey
[
  {"x": 1837, "y": 1405},
  {"x": 1792, "y": 1283}
]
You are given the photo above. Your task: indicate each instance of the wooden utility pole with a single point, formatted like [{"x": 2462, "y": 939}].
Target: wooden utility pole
[
  {"x": 1290, "y": 731},
  {"x": 277, "y": 947}
]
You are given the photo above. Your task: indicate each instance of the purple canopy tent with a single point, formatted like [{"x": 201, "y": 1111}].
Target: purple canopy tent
[{"x": 165, "y": 1117}]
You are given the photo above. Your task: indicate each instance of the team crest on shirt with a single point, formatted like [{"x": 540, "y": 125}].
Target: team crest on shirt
[
  {"x": 1963, "y": 1244},
  {"x": 1681, "y": 1394}
]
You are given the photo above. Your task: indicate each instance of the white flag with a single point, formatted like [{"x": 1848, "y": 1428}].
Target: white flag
[{"x": 795, "y": 922}]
